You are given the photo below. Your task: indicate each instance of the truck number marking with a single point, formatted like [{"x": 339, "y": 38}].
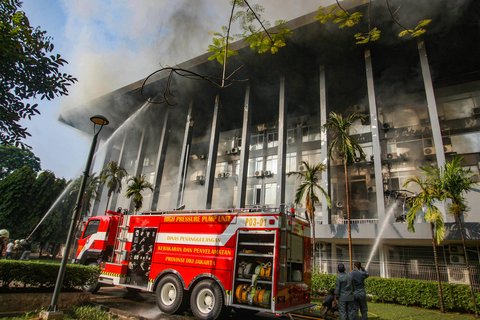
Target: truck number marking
[{"x": 255, "y": 222}]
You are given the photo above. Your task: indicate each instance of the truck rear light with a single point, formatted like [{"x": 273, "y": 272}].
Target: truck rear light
[{"x": 271, "y": 221}]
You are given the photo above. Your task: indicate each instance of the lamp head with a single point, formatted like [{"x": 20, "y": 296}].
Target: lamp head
[{"x": 99, "y": 120}]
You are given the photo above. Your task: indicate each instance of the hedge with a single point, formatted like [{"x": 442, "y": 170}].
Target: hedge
[
  {"x": 407, "y": 292},
  {"x": 34, "y": 274}
]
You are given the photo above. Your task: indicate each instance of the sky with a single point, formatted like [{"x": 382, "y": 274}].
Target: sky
[{"x": 112, "y": 43}]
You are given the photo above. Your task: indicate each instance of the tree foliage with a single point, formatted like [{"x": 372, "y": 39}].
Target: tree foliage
[
  {"x": 25, "y": 198},
  {"x": 29, "y": 68},
  {"x": 254, "y": 32},
  {"x": 112, "y": 176},
  {"x": 13, "y": 158},
  {"x": 136, "y": 185},
  {"x": 16, "y": 197},
  {"x": 343, "y": 145},
  {"x": 338, "y": 15},
  {"x": 309, "y": 185},
  {"x": 90, "y": 194},
  {"x": 425, "y": 201}
]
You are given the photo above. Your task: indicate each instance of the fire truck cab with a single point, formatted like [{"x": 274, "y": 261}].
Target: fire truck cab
[{"x": 208, "y": 260}]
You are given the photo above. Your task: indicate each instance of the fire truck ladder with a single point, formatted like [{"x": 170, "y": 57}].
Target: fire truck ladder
[{"x": 121, "y": 240}]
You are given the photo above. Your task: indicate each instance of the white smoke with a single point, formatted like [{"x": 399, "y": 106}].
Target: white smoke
[{"x": 113, "y": 43}]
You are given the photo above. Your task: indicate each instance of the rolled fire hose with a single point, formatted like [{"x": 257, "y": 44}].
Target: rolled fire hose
[
  {"x": 241, "y": 269},
  {"x": 241, "y": 288},
  {"x": 266, "y": 270},
  {"x": 257, "y": 295},
  {"x": 244, "y": 298},
  {"x": 265, "y": 299}
]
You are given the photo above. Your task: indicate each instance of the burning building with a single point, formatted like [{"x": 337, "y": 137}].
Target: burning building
[{"x": 212, "y": 147}]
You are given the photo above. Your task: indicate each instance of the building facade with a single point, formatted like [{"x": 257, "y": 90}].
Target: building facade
[{"x": 213, "y": 147}]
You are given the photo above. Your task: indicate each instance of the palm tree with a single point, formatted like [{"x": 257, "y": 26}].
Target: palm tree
[
  {"x": 307, "y": 189},
  {"x": 454, "y": 182},
  {"x": 112, "y": 175},
  {"x": 91, "y": 191},
  {"x": 424, "y": 202},
  {"x": 136, "y": 185},
  {"x": 342, "y": 144}
]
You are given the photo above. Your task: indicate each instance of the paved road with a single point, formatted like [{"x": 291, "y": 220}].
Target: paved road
[{"x": 142, "y": 306}]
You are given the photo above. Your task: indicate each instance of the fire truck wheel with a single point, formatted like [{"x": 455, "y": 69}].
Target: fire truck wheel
[
  {"x": 170, "y": 295},
  {"x": 94, "y": 285},
  {"x": 206, "y": 301}
]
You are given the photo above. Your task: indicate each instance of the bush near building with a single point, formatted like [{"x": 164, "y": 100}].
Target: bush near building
[
  {"x": 34, "y": 275},
  {"x": 406, "y": 292}
]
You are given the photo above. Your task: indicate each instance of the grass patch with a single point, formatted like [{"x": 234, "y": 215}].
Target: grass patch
[
  {"x": 86, "y": 312},
  {"x": 387, "y": 311}
]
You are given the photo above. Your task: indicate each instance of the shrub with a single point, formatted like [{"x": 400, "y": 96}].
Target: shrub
[
  {"x": 407, "y": 292},
  {"x": 34, "y": 274}
]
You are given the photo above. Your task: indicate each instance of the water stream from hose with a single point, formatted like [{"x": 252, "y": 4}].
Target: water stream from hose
[{"x": 117, "y": 131}]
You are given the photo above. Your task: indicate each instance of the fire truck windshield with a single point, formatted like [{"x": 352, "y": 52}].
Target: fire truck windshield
[{"x": 91, "y": 228}]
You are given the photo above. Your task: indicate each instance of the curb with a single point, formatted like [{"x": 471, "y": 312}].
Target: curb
[{"x": 120, "y": 314}]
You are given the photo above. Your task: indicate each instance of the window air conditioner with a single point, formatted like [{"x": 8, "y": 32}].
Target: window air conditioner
[
  {"x": 268, "y": 173},
  {"x": 392, "y": 156},
  {"x": 448, "y": 148},
  {"x": 223, "y": 175},
  {"x": 458, "y": 275},
  {"x": 199, "y": 180},
  {"x": 301, "y": 168},
  {"x": 290, "y": 140},
  {"x": 235, "y": 150},
  {"x": 454, "y": 249},
  {"x": 457, "y": 259},
  {"x": 429, "y": 151},
  {"x": 259, "y": 173}
]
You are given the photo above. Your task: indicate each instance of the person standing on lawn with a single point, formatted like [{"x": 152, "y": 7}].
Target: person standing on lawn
[
  {"x": 344, "y": 294},
  {"x": 358, "y": 276},
  {"x": 9, "y": 250}
]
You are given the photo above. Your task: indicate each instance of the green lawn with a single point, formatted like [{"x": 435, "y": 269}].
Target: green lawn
[{"x": 398, "y": 312}]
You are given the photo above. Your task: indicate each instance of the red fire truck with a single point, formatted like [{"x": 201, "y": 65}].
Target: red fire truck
[{"x": 208, "y": 260}]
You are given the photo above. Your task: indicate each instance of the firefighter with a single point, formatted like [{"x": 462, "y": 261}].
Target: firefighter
[
  {"x": 27, "y": 249},
  {"x": 344, "y": 294},
  {"x": 358, "y": 275}
]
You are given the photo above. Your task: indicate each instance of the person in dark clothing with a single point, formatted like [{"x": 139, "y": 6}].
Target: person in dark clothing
[
  {"x": 358, "y": 276},
  {"x": 329, "y": 304},
  {"x": 27, "y": 249},
  {"x": 344, "y": 294}
]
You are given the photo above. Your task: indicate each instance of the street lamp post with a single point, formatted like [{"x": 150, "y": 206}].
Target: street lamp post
[{"x": 99, "y": 121}]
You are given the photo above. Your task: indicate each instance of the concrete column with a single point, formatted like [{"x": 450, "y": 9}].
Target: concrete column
[
  {"x": 121, "y": 163},
  {"x": 377, "y": 152},
  {"x": 324, "y": 145},
  {"x": 137, "y": 170},
  {"x": 245, "y": 151},
  {"x": 282, "y": 145},
  {"x": 182, "y": 166},
  {"x": 102, "y": 198},
  {"x": 212, "y": 153},
  {"x": 431, "y": 104},
  {"x": 160, "y": 161}
]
